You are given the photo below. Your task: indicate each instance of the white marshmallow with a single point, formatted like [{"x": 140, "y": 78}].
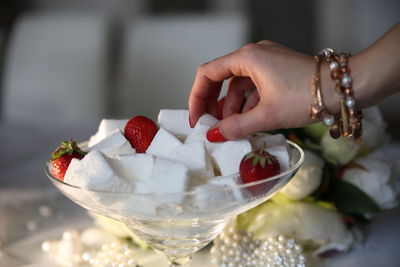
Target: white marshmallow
[
  {"x": 163, "y": 143},
  {"x": 227, "y": 155},
  {"x": 232, "y": 182},
  {"x": 137, "y": 206},
  {"x": 200, "y": 130},
  {"x": 106, "y": 128},
  {"x": 135, "y": 168},
  {"x": 194, "y": 157},
  {"x": 176, "y": 121},
  {"x": 114, "y": 144},
  {"x": 168, "y": 177},
  {"x": 275, "y": 145},
  {"x": 94, "y": 172},
  {"x": 210, "y": 196},
  {"x": 219, "y": 192}
]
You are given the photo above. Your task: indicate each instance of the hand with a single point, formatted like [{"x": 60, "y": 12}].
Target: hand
[
  {"x": 269, "y": 85},
  {"x": 275, "y": 79}
]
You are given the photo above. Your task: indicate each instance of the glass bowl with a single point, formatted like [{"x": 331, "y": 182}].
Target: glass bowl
[{"x": 182, "y": 223}]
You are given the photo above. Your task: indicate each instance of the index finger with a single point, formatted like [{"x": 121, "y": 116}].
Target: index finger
[{"x": 208, "y": 81}]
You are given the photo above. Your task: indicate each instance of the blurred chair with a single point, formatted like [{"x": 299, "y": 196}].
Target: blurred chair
[
  {"x": 161, "y": 54},
  {"x": 55, "y": 68}
]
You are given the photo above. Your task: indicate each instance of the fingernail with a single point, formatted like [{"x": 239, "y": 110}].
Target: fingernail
[
  {"x": 190, "y": 122},
  {"x": 215, "y": 135}
]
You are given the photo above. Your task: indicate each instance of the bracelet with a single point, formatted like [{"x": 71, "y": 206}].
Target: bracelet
[{"x": 348, "y": 122}]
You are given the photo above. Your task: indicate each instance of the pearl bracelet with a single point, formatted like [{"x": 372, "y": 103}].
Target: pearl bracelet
[{"x": 348, "y": 122}]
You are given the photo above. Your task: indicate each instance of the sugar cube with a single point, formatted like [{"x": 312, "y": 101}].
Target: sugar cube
[
  {"x": 114, "y": 144},
  {"x": 106, "y": 128},
  {"x": 163, "y": 143},
  {"x": 227, "y": 155},
  {"x": 176, "y": 121}
]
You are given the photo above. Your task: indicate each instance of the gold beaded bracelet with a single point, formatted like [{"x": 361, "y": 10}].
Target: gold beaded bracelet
[{"x": 348, "y": 122}]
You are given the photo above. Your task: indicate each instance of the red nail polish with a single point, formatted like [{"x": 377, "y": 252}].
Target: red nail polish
[{"x": 215, "y": 135}]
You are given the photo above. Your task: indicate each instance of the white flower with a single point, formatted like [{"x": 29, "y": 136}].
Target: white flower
[
  {"x": 378, "y": 180},
  {"x": 374, "y": 129},
  {"x": 307, "y": 179},
  {"x": 301, "y": 220},
  {"x": 339, "y": 151}
]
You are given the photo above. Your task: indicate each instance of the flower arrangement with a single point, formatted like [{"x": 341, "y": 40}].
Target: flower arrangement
[{"x": 340, "y": 185}]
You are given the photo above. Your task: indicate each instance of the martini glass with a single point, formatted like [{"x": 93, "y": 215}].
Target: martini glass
[{"x": 178, "y": 225}]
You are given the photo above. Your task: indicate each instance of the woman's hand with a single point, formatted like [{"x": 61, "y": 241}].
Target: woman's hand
[
  {"x": 269, "y": 85},
  {"x": 268, "y": 89}
]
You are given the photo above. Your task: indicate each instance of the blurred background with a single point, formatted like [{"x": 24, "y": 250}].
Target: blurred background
[{"x": 77, "y": 61}]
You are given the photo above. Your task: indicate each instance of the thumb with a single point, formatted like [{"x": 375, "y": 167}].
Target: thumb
[{"x": 238, "y": 126}]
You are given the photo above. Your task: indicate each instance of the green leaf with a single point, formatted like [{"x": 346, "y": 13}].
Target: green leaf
[
  {"x": 262, "y": 162},
  {"x": 349, "y": 199},
  {"x": 249, "y": 155},
  {"x": 255, "y": 161}
]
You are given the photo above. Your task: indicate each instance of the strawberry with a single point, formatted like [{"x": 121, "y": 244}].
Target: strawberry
[
  {"x": 258, "y": 165},
  {"x": 62, "y": 156},
  {"x": 220, "y": 107},
  {"x": 140, "y": 131}
]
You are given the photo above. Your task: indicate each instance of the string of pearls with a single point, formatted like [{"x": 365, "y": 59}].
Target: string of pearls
[
  {"x": 112, "y": 255},
  {"x": 71, "y": 251},
  {"x": 240, "y": 249}
]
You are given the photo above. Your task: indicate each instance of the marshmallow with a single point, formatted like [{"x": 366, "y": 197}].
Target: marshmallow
[
  {"x": 94, "y": 172},
  {"x": 275, "y": 145},
  {"x": 114, "y": 144},
  {"x": 135, "y": 168},
  {"x": 175, "y": 121},
  {"x": 137, "y": 206},
  {"x": 106, "y": 128},
  {"x": 232, "y": 182},
  {"x": 168, "y": 177},
  {"x": 200, "y": 130},
  {"x": 219, "y": 192},
  {"x": 193, "y": 156},
  {"x": 163, "y": 143},
  {"x": 227, "y": 155},
  {"x": 210, "y": 196}
]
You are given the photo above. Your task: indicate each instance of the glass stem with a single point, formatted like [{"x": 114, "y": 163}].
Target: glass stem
[{"x": 179, "y": 261}]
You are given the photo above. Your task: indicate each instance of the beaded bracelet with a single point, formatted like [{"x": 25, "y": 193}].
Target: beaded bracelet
[{"x": 349, "y": 121}]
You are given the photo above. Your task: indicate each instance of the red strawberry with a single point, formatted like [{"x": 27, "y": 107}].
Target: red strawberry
[
  {"x": 258, "y": 165},
  {"x": 220, "y": 107},
  {"x": 62, "y": 156},
  {"x": 140, "y": 131}
]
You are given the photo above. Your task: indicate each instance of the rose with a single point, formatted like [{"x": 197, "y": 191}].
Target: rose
[
  {"x": 377, "y": 176},
  {"x": 309, "y": 223},
  {"x": 307, "y": 179}
]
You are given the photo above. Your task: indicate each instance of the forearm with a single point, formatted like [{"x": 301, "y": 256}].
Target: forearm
[{"x": 376, "y": 70}]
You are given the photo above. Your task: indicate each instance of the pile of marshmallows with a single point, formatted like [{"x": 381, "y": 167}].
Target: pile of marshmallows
[{"x": 179, "y": 159}]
